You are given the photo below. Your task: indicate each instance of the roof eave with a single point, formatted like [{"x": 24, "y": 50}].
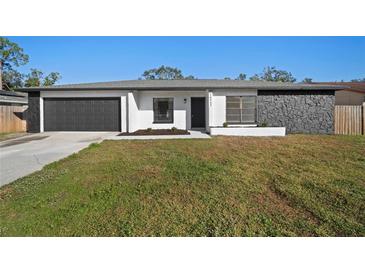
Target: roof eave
[
  {"x": 179, "y": 88},
  {"x": 13, "y": 101},
  {"x": 56, "y": 88}
]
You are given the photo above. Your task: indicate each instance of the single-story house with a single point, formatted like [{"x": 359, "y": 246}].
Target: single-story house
[
  {"x": 11, "y": 98},
  {"x": 128, "y": 106},
  {"x": 352, "y": 95}
]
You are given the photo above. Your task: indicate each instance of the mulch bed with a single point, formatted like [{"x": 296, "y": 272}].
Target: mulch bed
[{"x": 142, "y": 132}]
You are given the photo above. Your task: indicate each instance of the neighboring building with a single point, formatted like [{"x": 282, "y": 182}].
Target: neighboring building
[
  {"x": 184, "y": 104},
  {"x": 11, "y": 98},
  {"x": 353, "y": 94}
]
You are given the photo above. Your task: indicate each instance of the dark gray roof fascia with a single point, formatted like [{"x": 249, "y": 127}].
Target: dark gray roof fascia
[{"x": 186, "y": 85}]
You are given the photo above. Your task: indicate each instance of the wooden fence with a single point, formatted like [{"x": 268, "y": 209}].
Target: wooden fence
[
  {"x": 350, "y": 120},
  {"x": 12, "y": 119}
]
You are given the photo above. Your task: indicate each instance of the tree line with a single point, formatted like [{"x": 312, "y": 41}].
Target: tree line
[
  {"x": 13, "y": 56},
  {"x": 171, "y": 73},
  {"x": 270, "y": 73}
]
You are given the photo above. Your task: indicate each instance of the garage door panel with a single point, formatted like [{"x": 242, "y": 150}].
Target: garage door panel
[{"x": 82, "y": 114}]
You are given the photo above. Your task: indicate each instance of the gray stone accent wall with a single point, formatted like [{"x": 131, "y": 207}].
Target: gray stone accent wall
[
  {"x": 33, "y": 112},
  {"x": 298, "y": 111}
]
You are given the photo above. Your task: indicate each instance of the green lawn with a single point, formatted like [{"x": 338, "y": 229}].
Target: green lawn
[{"x": 300, "y": 185}]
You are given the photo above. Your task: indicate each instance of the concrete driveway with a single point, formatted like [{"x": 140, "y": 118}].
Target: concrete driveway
[{"x": 22, "y": 156}]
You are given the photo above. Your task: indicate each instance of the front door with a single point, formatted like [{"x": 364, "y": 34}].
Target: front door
[{"x": 198, "y": 112}]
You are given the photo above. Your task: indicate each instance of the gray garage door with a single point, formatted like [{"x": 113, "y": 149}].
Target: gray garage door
[{"x": 82, "y": 114}]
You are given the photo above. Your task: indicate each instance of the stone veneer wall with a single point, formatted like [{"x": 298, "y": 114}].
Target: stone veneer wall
[
  {"x": 33, "y": 112},
  {"x": 298, "y": 111}
]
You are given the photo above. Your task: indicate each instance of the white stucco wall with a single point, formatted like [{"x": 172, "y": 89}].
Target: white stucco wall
[
  {"x": 133, "y": 111},
  {"x": 219, "y": 104},
  {"x": 143, "y": 109},
  {"x": 41, "y": 114},
  {"x": 137, "y": 106},
  {"x": 123, "y": 113}
]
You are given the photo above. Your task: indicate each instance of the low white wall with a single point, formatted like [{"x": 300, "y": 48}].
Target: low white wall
[{"x": 248, "y": 131}]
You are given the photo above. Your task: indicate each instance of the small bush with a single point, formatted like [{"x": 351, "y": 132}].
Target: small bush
[
  {"x": 225, "y": 124},
  {"x": 173, "y": 129},
  {"x": 263, "y": 124},
  {"x": 149, "y": 129}
]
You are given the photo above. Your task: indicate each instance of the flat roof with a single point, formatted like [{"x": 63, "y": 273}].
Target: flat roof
[
  {"x": 186, "y": 84},
  {"x": 10, "y": 93}
]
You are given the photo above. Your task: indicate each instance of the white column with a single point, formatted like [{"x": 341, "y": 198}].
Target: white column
[
  {"x": 209, "y": 109},
  {"x": 363, "y": 119},
  {"x": 123, "y": 113},
  {"x": 41, "y": 114},
  {"x": 129, "y": 110},
  {"x": 133, "y": 111}
]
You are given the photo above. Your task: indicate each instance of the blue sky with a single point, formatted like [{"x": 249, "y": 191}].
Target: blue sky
[{"x": 93, "y": 59}]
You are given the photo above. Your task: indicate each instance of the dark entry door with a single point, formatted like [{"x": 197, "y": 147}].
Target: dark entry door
[
  {"x": 82, "y": 114},
  {"x": 198, "y": 112}
]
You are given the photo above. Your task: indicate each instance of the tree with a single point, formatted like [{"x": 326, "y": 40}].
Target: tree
[
  {"x": 164, "y": 73},
  {"x": 241, "y": 76},
  {"x": 36, "y": 78},
  {"x": 10, "y": 55},
  {"x": 273, "y": 75},
  {"x": 12, "y": 79},
  {"x": 33, "y": 79},
  {"x": 51, "y": 79},
  {"x": 256, "y": 77},
  {"x": 358, "y": 80},
  {"x": 307, "y": 80}
]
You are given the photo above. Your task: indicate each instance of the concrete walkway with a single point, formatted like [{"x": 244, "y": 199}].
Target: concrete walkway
[
  {"x": 194, "y": 134},
  {"x": 24, "y": 155}
]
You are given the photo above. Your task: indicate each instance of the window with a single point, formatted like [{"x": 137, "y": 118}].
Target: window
[
  {"x": 241, "y": 109},
  {"x": 163, "y": 110}
]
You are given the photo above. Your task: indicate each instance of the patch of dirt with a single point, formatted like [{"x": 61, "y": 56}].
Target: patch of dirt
[
  {"x": 5, "y": 192},
  {"x": 280, "y": 200},
  {"x": 275, "y": 200},
  {"x": 145, "y": 132}
]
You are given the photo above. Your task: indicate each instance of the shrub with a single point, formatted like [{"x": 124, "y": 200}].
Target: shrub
[
  {"x": 149, "y": 129},
  {"x": 263, "y": 124},
  {"x": 173, "y": 129},
  {"x": 225, "y": 124}
]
